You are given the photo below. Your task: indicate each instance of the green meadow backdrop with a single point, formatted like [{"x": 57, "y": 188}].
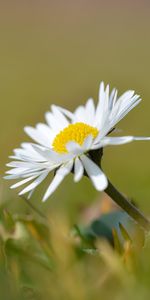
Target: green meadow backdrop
[{"x": 58, "y": 52}]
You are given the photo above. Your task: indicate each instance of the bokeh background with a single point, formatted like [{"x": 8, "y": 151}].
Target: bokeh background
[{"x": 58, "y": 52}]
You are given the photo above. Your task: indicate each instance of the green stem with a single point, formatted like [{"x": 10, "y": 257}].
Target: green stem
[
  {"x": 119, "y": 198},
  {"x": 126, "y": 205},
  {"x": 33, "y": 207}
]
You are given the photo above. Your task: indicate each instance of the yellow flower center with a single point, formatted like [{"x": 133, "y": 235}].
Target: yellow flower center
[{"x": 74, "y": 132}]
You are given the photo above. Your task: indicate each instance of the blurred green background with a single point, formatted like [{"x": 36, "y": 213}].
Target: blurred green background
[{"x": 58, "y": 52}]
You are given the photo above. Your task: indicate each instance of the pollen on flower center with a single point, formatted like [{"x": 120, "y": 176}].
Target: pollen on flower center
[{"x": 74, "y": 132}]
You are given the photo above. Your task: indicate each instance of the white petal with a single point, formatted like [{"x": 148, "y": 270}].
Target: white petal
[
  {"x": 141, "y": 138},
  {"x": 35, "y": 183},
  {"x": 74, "y": 148},
  {"x": 118, "y": 141},
  {"x": 97, "y": 177},
  {"x": 60, "y": 175},
  {"x": 85, "y": 114},
  {"x": 37, "y": 136},
  {"x": 28, "y": 147},
  {"x": 16, "y": 171},
  {"x": 112, "y": 98},
  {"x": 103, "y": 110},
  {"x": 27, "y": 153},
  {"x": 56, "y": 119},
  {"x": 101, "y": 104},
  {"x": 111, "y": 110},
  {"x": 30, "y": 194},
  {"x": 123, "y": 105},
  {"x": 88, "y": 142},
  {"x": 54, "y": 124},
  {"x": 52, "y": 156},
  {"x": 125, "y": 111},
  {"x": 80, "y": 114},
  {"x": 59, "y": 116},
  {"x": 78, "y": 170},
  {"x": 20, "y": 172},
  {"x": 67, "y": 113},
  {"x": 125, "y": 96},
  {"x": 23, "y": 164},
  {"x": 22, "y": 182},
  {"x": 90, "y": 111},
  {"x": 18, "y": 176},
  {"x": 46, "y": 132}
]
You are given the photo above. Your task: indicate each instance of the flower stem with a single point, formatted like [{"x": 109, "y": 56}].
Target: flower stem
[
  {"x": 33, "y": 207},
  {"x": 126, "y": 205},
  {"x": 119, "y": 198}
]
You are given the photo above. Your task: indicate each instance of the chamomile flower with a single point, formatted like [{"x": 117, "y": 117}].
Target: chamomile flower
[{"x": 64, "y": 144}]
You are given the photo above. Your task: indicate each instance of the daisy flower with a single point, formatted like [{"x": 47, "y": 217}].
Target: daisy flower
[{"x": 64, "y": 144}]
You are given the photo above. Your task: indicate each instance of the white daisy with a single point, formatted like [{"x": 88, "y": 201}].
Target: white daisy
[{"x": 63, "y": 144}]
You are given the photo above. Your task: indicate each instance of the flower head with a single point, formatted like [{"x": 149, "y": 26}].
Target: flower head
[{"x": 64, "y": 143}]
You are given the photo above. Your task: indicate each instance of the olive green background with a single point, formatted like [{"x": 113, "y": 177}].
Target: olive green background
[{"x": 58, "y": 52}]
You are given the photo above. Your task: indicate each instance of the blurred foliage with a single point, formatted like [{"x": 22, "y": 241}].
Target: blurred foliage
[
  {"x": 42, "y": 258},
  {"x": 58, "y": 52}
]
